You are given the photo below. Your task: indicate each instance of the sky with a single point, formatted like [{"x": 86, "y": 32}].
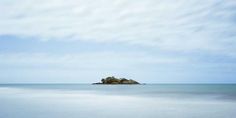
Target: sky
[{"x": 151, "y": 41}]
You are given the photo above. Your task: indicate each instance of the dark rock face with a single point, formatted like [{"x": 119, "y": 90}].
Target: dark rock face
[{"x": 113, "y": 80}]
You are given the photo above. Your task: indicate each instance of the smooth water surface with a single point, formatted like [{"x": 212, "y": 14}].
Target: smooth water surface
[{"x": 117, "y": 101}]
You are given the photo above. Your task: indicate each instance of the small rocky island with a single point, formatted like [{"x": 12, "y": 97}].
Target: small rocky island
[{"x": 113, "y": 80}]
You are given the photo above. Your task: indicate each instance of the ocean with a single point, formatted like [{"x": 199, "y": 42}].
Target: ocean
[{"x": 118, "y": 101}]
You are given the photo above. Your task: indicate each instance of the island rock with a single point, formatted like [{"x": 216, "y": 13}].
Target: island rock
[{"x": 113, "y": 80}]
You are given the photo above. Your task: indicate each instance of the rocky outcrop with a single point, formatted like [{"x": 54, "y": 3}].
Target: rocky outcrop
[{"x": 113, "y": 80}]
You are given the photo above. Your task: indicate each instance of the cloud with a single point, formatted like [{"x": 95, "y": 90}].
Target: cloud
[
  {"x": 89, "y": 67},
  {"x": 85, "y": 61},
  {"x": 181, "y": 25}
]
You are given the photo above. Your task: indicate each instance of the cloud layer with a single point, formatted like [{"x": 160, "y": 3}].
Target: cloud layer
[
  {"x": 181, "y": 25},
  {"x": 151, "y": 40},
  {"x": 87, "y": 61},
  {"x": 81, "y": 67}
]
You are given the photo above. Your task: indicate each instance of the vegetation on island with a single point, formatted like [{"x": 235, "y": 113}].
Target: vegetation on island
[{"x": 114, "y": 80}]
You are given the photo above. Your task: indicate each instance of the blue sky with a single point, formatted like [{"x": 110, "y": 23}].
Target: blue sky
[{"x": 152, "y": 41}]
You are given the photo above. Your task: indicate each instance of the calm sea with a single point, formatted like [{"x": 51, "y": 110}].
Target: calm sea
[{"x": 118, "y": 101}]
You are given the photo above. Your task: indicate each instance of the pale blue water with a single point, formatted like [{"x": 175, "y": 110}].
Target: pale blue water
[{"x": 117, "y": 101}]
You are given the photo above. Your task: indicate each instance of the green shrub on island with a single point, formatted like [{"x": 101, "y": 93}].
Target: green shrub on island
[{"x": 113, "y": 80}]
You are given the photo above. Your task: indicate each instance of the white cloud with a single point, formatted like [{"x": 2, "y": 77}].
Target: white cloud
[{"x": 181, "y": 25}]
